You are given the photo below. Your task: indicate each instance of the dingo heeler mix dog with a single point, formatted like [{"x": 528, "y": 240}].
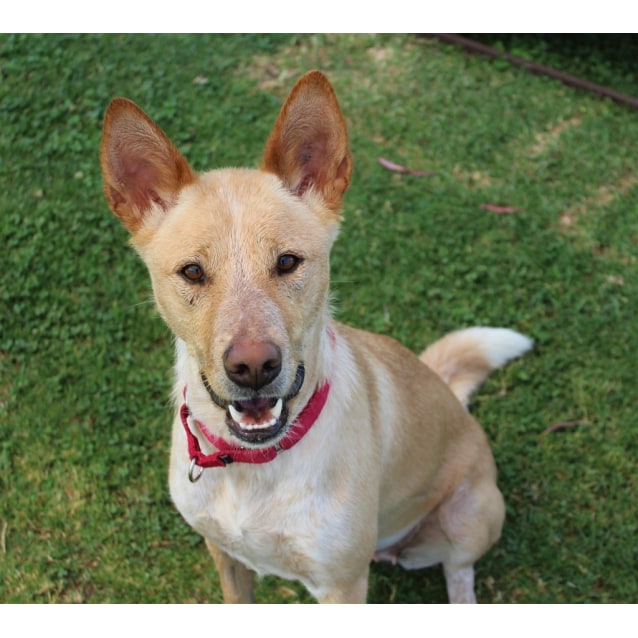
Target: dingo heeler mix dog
[{"x": 301, "y": 447}]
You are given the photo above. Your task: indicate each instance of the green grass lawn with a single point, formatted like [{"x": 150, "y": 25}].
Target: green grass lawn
[{"x": 85, "y": 514}]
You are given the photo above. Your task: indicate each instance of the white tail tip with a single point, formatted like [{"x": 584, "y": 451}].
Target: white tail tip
[
  {"x": 499, "y": 345},
  {"x": 465, "y": 358}
]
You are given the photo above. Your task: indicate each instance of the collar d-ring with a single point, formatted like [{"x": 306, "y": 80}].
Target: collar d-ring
[{"x": 192, "y": 477}]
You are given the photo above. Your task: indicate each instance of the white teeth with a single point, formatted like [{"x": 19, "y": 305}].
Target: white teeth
[
  {"x": 277, "y": 408},
  {"x": 235, "y": 414},
  {"x": 238, "y": 417}
]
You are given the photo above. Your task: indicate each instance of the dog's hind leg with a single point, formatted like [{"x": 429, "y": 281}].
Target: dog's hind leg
[
  {"x": 236, "y": 579},
  {"x": 471, "y": 521},
  {"x": 457, "y": 534},
  {"x": 460, "y": 584}
]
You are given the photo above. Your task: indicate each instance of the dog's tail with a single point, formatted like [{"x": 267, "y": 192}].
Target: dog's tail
[{"x": 465, "y": 358}]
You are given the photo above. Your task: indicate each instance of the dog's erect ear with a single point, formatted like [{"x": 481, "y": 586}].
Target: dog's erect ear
[
  {"x": 140, "y": 166},
  {"x": 308, "y": 146}
]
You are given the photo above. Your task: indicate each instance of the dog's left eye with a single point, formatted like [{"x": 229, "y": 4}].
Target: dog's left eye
[{"x": 287, "y": 264}]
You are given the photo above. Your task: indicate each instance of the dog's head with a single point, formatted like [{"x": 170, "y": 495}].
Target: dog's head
[{"x": 239, "y": 258}]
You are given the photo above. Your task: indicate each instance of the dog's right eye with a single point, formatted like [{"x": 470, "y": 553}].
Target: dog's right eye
[{"x": 193, "y": 273}]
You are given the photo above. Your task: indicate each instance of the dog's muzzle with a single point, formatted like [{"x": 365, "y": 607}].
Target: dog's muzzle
[{"x": 259, "y": 419}]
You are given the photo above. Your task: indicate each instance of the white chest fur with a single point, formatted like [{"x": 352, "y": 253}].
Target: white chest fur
[{"x": 285, "y": 518}]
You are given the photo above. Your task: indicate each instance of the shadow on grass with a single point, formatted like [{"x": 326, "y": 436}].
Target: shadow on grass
[{"x": 608, "y": 60}]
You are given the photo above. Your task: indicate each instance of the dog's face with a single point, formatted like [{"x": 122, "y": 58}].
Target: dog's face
[
  {"x": 239, "y": 258},
  {"x": 240, "y": 273}
]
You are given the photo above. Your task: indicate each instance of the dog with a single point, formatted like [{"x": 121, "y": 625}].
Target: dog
[{"x": 301, "y": 447}]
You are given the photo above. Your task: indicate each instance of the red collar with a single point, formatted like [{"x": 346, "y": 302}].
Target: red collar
[{"x": 228, "y": 453}]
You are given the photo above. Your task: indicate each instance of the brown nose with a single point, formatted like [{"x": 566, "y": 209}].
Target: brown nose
[{"x": 252, "y": 364}]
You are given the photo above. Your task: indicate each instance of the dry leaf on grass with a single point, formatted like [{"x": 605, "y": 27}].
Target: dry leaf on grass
[
  {"x": 391, "y": 166},
  {"x": 564, "y": 425},
  {"x": 501, "y": 210}
]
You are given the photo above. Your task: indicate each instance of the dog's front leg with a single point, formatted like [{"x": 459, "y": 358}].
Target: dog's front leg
[
  {"x": 355, "y": 592},
  {"x": 237, "y": 580}
]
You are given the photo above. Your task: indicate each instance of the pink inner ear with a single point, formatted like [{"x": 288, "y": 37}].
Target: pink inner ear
[
  {"x": 140, "y": 179},
  {"x": 310, "y": 157},
  {"x": 116, "y": 197},
  {"x": 303, "y": 185}
]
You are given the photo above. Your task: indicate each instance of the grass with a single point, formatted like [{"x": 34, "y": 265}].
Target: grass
[{"x": 85, "y": 514}]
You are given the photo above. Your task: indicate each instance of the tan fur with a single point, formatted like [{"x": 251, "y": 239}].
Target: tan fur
[{"x": 395, "y": 466}]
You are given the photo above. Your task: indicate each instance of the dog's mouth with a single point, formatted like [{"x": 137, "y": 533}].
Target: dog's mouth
[{"x": 257, "y": 420}]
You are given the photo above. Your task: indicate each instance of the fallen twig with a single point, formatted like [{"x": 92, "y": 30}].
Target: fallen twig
[{"x": 533, "y": 67}]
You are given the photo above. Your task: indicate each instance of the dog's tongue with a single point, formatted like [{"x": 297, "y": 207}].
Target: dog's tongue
[{"x": 258, "y": 413}]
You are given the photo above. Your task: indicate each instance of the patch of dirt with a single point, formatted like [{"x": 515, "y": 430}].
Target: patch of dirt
[
  {"x": 600, "y": 198},
  {"x": 548, "y": 138}
]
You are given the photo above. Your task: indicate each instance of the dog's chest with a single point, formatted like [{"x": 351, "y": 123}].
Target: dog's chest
[{"x": 271, "y": 530}]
